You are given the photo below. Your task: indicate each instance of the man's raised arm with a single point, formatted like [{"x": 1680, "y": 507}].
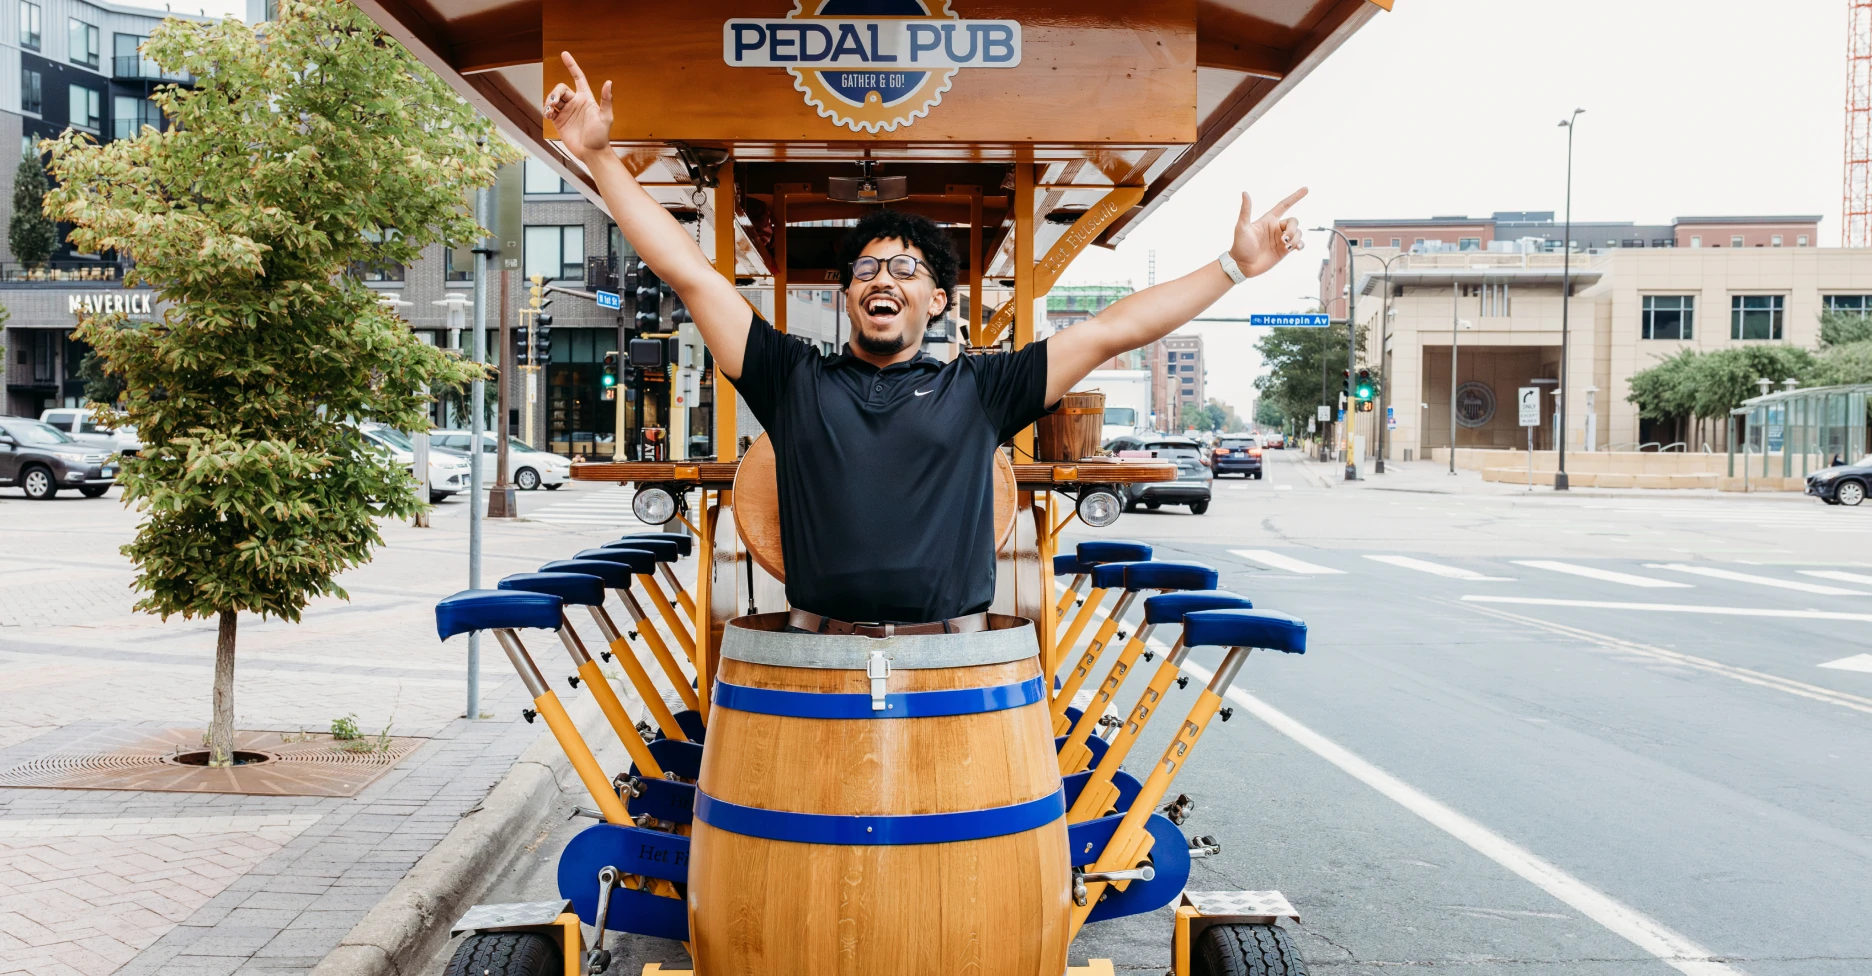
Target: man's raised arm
[
  {"x": 1155, "y": 312},
  {"x": 720, "y": 313}
]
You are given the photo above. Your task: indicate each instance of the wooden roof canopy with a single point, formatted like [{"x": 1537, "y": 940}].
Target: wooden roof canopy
[{"x": 1102, "y": 94}]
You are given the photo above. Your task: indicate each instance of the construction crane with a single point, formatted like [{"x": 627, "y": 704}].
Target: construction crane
[{"x": 1856, "y": 208}]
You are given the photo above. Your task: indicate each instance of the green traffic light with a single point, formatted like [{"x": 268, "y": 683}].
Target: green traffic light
[{"x": 610, "y": 380}]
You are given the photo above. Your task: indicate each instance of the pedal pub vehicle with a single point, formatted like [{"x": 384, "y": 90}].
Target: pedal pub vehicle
[{"x": 877, "y": 799}]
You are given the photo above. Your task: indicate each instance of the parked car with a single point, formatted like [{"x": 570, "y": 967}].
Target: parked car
[
  {"x": 448, "y": 470},
  {"x": 1842, "y": 484},
  {"x": 1192, "y": 483},
  {"x": 528, "y": 466},
  {"x": 41, "y": 459},
  {"x": 1236, "y": 454},
  {"x": 80, "y": 423}
]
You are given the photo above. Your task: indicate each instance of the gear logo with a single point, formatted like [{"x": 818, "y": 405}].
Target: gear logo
[{"x": 872, "y": 65}]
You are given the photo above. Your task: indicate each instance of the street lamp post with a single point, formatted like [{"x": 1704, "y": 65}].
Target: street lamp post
[
  {"x": 1570, "y": 123},
  {"x": 1351, "y": 353},
  {"x": 1384, "y": 372}
]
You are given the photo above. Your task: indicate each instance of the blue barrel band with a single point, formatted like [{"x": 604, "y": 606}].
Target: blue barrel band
[
  {"x": 912, "y": 704},
  {"x": 864, "y": 831}
]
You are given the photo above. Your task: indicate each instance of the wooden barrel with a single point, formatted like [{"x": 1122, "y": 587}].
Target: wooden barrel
[
  {"x": 1071, "y": 432},
  {"x": 924, "y": 837}
]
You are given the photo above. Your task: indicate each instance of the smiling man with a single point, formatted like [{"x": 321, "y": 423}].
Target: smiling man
[{"x": 884, "y": 456}]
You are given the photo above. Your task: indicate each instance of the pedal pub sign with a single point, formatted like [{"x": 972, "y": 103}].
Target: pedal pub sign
[{"x": 886, "y": 70}]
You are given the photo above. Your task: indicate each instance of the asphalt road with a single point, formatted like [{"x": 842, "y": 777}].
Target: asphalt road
[{"x": 1539, "y": 734}]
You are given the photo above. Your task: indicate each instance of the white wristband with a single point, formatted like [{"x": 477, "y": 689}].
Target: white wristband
[{"x": 1230, "y": 268}]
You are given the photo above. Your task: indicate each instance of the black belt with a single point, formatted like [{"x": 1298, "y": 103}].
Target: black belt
[{"x": 817, "y": 624}]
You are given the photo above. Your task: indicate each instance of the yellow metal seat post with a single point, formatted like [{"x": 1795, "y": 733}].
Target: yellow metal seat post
[
  {"x": 650, "y": 637},
  {"x": 1075, "y": 754},
  {"x": 1067, "y": 598},
  {"x": 683, "y": 599},
  {"x": 668, "y": 613},
  {"x": 1131, "y": 841},
  {"x": 1098, "y": 795},
  {"x": 1087, "y": 611},
  {"x": 547, "y": 705},
  {"x": 626, "y": 657},
  {"x": 600, "y": 688},
  {"x": 1069, "y": 685}
]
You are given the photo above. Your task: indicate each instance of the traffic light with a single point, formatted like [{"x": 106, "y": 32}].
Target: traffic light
[
  {"x": 521, "y": 346},
  {"x": 1364, "y": 390},
  {"x": 649, "y": 353},
  {"x": 609, "y": 378},
  {"x": 542, "y": 342},
  {"x": 649, "y": 299},
  {"x": 1366, "y": 406}
]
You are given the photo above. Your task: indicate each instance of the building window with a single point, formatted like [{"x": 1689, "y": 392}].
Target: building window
[
  {"x": 1397, "y": 242},
  {"x": 29, "y": 146},
  {"x": 540, "y": 178},
  {"x": 29, "y": 25},
  {"x": 87, "y": 107},
  {"x": 85, "y": 43},
  {"x": 1696, "y": 241},
  {"x": 1367, "y": 242},
  {"x": 1188, "y": 368},
  {"x": 556, "y": 253},
  {"x": 457, "y": 265},
  {"x": 127, "y": 60},
  {"x": 1419, "y": 242},
  {"x": 1669, "y": 316},
  {"x": 129, "y": 115},
  {"x": 1755, "y": 316},
  {"x": 32, "y": 98},
  {"x": 1855, "y": 304},
  {"x": 1469, "y": 244},
  {"x": 1735, "y": 241},
  {"x": 1800, "y": 241}
]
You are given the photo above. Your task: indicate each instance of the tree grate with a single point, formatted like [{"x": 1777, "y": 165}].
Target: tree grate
[{"x": 298, "y": 764}]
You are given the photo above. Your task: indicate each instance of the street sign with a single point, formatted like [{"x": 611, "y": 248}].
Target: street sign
[
  {"x": 1325, "y": 413},
  {"x": 1312, "y": 425},
  {"x": 609, "y": 299},
  {"x": 1390, "y": 418},
  {"x": 1530, "y": 406},
  {"x": 1290, "y": 320},
  {"x": 1342, "y": 415}
]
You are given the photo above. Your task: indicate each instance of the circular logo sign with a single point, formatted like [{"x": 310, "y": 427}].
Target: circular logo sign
[{"x": 1475, "y": 404}]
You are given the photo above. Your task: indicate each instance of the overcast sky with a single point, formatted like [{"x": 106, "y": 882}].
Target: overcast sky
[{"x": 1693, "y": 107}]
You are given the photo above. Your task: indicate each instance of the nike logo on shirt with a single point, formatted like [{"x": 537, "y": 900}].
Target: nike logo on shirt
[{"x": 924, "y": 392}]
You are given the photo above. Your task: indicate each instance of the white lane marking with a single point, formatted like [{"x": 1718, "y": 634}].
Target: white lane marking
[
  {"x": 1858, "y": 662},
  {"x": 1438, "y": 569},
  {"x": 1730, "y": 574},
  {"x": 1840, "y": 575},
  {"x": 1593, "y": 572},
  {"x": 1275, "y": 560},
  {"x": 1761, "y": 678},
  {"x": 1672, "y": 608},
  {"x": 1669, "y": 946}
]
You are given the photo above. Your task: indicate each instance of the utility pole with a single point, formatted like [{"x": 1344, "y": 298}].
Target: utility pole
[
  {"x": 1566, "y": 300},
  {"x": 477, "y": 399},
  {"x": 1454, "y": 290},
  {"x": 1351, "y": 350}
]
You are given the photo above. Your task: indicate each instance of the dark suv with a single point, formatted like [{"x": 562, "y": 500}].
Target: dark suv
[
  {"x": 1237, "y": 455},
  {"x": 1842, "y": 484},
  {"x": 1191, "y": 486},
  {"x": 40, "y": 459}
]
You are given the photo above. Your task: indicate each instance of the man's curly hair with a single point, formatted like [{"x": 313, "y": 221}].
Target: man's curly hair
[{"x": 938, "y": 251}]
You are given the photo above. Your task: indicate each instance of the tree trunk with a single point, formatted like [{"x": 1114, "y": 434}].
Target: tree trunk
[{"x": 221, "y": 729}]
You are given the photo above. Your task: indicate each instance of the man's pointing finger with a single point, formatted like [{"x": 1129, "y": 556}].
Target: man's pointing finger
[
  {"x": 578, "y": 76},
  {"x": 1292, "y": 198}
]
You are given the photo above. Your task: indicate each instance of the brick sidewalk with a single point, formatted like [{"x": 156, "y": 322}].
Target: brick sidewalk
[{"x": 95, "y": 882}]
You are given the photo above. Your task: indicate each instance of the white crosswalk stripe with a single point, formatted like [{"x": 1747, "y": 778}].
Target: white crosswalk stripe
[
  {"x": 608, "y": 506},
  {"x": 1594, "y": 572},
  {"x": 1274, "y": 560},
  {"x": 1858, "y": 662},
  {"x": 1438, "y": 569},
  {"x": 1780, "y": 584},
  {"x": 1840, "y": 575}
]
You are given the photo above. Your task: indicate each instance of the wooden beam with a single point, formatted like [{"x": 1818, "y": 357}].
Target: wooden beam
[
  {"x": 725, "y": 446},
  {"x": 497, "y": 38},
  {"x": 1258, "y": 60}
]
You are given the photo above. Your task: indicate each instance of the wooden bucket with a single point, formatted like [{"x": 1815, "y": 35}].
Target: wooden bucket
[
  {"x": 924, "y": 838},
  {"x": 1071, "y": 432}
]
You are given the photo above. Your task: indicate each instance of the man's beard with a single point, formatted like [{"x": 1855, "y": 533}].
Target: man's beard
[{"x": 881, "y": 345}]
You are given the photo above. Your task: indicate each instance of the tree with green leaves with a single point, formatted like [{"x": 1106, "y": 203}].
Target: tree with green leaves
[
  {"x": 307, "y": 145},
  {"x": 29, "y": 233},
  {"x": 1267, "y": 413},
  {"x": 1305, "y": 368}
]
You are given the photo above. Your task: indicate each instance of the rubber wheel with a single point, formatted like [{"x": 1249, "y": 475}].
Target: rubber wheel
[
  {"x": 435, "y": 497},
  {"x": 1243, "y": 950},
  {"x": 38, "y": 484},
  {"x": 526, "y": 479},
  {"x": 1830, "y": 501},
  {"x": 1153, "y": 506},
  {"x": 1850, "y": 493},
  {"x": 555, "y": 487},
  {"x": 1197, "y": 508},
  {"x": 506, "y": 954},
  {"x": 93, "y": 491}
]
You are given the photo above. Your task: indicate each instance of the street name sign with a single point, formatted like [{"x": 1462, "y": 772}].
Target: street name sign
[
  {"x": 1290, "y": 320},
  {"x": 609, "y": 299}
]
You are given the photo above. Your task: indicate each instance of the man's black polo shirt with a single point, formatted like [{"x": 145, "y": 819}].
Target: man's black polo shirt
[{"x": 886, "y": 477}]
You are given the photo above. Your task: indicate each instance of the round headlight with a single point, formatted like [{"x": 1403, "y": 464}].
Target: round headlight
[
  {"x": 653, "y": 505},
  {"x": 1099, "y": 507}
]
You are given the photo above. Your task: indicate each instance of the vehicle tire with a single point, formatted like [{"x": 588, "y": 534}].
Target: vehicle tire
[
  {"x": 1153, "y": 506},
  {"x": 554, "y": 487},
  {"x": 1829, "y": 501},
  {"x": 1850, "y": 493},
  {"x": 506, "y": 954},
  {"x": 1197, "y": 508},
  {"x": 38, "y": 483},
  {"x": 526, "y": 479},
  {"x": 93, "y": 491},
  {"x": 1244, "y": 950},
  {"x": 435, "y": 497}
]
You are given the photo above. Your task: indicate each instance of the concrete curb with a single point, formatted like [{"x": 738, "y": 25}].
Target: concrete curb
[{"x": 400, "y": 935}]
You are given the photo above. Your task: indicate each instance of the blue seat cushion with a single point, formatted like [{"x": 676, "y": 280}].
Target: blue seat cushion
[
  {"x": 577, "y": 589},
  {"x": 1169, "y": 608},
  {"x": 685, "y": 543},
  {"x": 1110, "y": 576},
  {"x": 617, "y": 576},
  {"x": 638, "y": 560},
  {"x": 1067, "y": 565},
  {"x": 1155, "y": 575},
  {"x": 495, "y": 609},
  {"x": 665, "y": 552},
  {"x": 1112, "y": 551},
  {"x": 1269, "y": 629}
]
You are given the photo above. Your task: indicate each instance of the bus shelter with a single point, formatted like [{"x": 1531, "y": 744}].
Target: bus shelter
[{"x": 1816, "y": 425}]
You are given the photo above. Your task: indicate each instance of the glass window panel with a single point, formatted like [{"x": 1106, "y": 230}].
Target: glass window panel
[
  {"x": 1755, "y": 317},
  {"x": 31, "y": 98},
  {"x": 29, "y": 26},
  {"x": 542, "y": 257},
  {"x": 540, "y": 178},
  {"x": 573, "y": 259}
]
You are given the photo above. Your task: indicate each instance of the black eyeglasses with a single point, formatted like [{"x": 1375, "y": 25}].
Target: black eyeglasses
[{"x": 902, "y": 267}]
